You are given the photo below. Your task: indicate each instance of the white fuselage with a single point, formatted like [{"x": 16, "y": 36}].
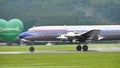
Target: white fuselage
[{"x": 49, "y": 33}]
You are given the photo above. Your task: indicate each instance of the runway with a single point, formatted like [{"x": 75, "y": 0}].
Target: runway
[{"x": 64, "y": 51}]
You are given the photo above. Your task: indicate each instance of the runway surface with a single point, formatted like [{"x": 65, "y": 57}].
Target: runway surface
[{"x": 65, "y": 51}]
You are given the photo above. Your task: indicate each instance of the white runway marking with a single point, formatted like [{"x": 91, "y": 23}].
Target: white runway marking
[{"x": 13, "y": 52}]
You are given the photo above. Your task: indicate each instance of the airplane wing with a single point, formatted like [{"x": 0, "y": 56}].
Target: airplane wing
[
  {"x": 91, "y": 35},
  {"x": 88, "y": 36}
]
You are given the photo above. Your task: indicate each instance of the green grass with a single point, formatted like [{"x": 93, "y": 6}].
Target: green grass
[
  {"x": 37, "y": 47},
  {"x": 74, "y": 60},
  {"x": 59, "y": 60}
]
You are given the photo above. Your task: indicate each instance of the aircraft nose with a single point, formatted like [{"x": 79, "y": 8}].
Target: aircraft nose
[{"x": 25, "y": 34}]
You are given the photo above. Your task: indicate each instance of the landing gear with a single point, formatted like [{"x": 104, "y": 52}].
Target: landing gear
[
  {"x": 85, "y": 48},
  {"x": 31, "y": 49},
  {"x": 79, "y": 47}
]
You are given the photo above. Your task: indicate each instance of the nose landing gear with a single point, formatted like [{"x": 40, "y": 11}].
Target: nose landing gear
[{"x": 31, "y": 49}]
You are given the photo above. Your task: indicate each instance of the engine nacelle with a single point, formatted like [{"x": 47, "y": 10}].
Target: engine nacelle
[
  {"x": 70, "y": 34},
  {"x": 62, "y": 37}
]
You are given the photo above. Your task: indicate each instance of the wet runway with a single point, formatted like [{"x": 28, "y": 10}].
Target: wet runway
[{"x": 64, "y": 51}]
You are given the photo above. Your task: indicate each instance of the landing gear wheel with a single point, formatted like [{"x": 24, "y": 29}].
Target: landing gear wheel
[
  {"x": 78, "y": 48},
  {"x": 31, "y": 49},
  {"x": 85, "y": 48}
]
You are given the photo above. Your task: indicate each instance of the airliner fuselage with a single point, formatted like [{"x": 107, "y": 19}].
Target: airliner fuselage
[
  {"x": 82, "y": 34},
  {"x": 50, "y": 33}
]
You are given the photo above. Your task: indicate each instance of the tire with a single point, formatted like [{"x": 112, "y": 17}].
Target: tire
[
  {"x": 31, "y": 49},
  {"x": 85, "y": 48},
  {"x": 78, "y": 48}
]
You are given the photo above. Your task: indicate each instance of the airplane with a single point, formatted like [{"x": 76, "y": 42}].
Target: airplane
[{"x": 83, "y": 34}]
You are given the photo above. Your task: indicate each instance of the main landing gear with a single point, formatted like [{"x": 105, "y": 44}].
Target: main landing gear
[{"x": 79, "y": 47}]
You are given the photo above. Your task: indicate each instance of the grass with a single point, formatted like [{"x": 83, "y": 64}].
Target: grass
[
  {"x": 59, "y": 60},
  {"x": 74, "y": 60},
  {"x": 37, "y": 47}
]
